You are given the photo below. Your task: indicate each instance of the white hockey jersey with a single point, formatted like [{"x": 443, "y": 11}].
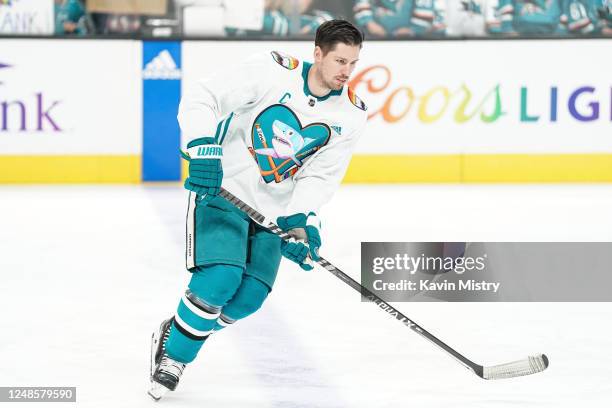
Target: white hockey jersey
[{"x": 285, "y": 151}]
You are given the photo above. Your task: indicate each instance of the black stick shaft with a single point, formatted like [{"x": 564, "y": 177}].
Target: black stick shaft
[{"x": 367, "y": 294}]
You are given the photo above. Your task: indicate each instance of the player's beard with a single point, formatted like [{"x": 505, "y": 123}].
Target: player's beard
[
  {"x": 331, "y": 83},
  {"x": 334, "y": 85},
  {"x": 338, "y": 81}
]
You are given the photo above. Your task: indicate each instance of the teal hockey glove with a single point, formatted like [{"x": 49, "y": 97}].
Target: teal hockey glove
[
  {"x": 305, "y": 229},
  {"x": 205, "y": 170},
  {"x": 297, "y": 251}
]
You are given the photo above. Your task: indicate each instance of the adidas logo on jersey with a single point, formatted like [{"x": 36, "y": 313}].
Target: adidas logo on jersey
[
  {"x": 162, "y": 67},
  {"x": 337, "y": 129}
]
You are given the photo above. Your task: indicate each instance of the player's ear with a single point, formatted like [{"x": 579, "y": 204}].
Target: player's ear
[{"x": 318, "y": 54}]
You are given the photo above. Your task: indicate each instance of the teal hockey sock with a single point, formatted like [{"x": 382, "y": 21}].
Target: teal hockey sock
[{"x": 209, "y": 290}]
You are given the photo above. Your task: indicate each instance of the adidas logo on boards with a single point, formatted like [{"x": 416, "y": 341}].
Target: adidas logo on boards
[{"x": 162, "y": 67}]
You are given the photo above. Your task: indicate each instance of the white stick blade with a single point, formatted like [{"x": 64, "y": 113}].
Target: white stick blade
[{"x": 527, "y": 366}]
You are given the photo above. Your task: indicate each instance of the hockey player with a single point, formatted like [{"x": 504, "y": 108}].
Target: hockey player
[{"x": 278, "y": 133}]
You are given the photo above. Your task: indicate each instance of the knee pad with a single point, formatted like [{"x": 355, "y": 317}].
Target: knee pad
[
  {"x": 216, "y": 284},
  {"x": 249, "y": 298}
]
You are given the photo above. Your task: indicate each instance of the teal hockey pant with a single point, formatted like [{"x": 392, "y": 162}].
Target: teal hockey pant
[{"x": 234, "y": 263}]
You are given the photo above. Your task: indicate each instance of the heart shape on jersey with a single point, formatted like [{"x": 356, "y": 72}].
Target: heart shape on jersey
[{"x": 281, "y": 144}]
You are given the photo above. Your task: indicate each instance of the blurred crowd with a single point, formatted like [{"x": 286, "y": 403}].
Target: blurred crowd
[{"x": 378, "y": 18}]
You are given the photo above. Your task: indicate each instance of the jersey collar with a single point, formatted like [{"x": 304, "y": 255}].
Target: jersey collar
[{"x": 305, "y": 68}]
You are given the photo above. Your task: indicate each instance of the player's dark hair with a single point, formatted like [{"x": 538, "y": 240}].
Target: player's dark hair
[{"x": 333, "y": 32}]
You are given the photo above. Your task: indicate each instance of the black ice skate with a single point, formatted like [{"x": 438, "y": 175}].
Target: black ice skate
[{"x": 165, "y": 372}]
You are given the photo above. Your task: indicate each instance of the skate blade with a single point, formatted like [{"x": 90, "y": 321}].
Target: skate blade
[
  {"x": 154, "y": 344},
  {"x": 157, "y": 391}
]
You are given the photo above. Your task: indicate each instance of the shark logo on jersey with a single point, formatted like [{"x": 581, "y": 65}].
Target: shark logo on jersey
[
  {"x": 281, "y": 143},
  {"x": 286, "y": 143}
]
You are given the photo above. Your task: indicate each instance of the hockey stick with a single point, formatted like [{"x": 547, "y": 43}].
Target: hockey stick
[{"x": 527, "y": 366}]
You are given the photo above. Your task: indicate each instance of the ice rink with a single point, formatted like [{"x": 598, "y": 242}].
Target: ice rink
[{"x": 89, "y": 271}]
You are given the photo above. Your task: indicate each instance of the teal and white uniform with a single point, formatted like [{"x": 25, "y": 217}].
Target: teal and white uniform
[
  {"x": 471, "y": 17},
  {"x": 530, "y": 17},
  {"x": 604, "y": 11},
  {"x": 70, "y": 11},
  {"x": 311, "y": 143},
  {"x": 467, "y": 17},
  {"x": 276, "y": 23},
  {"x": 310, "y": 21},
  {"x": 428, "y": 17},
  {"x": 580, "y": 16},
  {"x": 285, "y": 152},
  {"x": 421, "y": 16},
  {"x": 391, "y": 14}
]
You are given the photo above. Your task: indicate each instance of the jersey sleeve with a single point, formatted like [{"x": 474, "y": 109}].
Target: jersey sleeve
[
  {"x": 321, "y": 176},
  {"x": 214, "y": 98}
]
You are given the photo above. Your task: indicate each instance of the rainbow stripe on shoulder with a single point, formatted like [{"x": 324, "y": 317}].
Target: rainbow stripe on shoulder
[
  {"x": 286, "y": 61},
  {"x": 355, "y": 100}
]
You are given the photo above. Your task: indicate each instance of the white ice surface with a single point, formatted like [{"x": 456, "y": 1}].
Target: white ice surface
[{"x": 88, "y": 271}]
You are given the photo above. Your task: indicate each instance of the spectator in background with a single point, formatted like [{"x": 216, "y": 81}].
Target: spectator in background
[
  {"x": 275, "y": 21},
  {"x": 109, "y": 23},
  {"x": 123, "y": 23},
  {"x": 310, "y": 17},
  {"x": 580, "y": 17},
  {"x": 531, "y": 17},
  {"x": 312, "y": 20},
  {"x": 429, "y": 17},
  {"x": 604, "y": 11},
  {"x": 386, "y": 18},
  {"x": 473, "y": 18},
  {"x": 277, "y": 18},
  {"x": 71, "y": 18},
  {"x": 383, "y": 18}
]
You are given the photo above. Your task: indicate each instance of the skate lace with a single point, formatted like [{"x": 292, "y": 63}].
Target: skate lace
[
  {"x": 167, "y": 364},
  {"x": 165, "y": 338},
  {"x": 171, "y": 366}
]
